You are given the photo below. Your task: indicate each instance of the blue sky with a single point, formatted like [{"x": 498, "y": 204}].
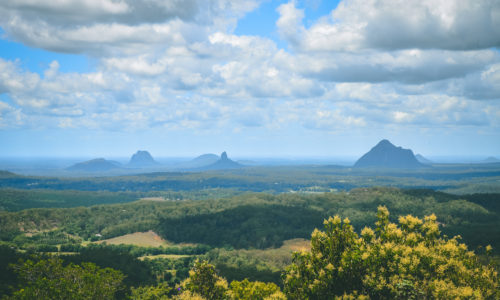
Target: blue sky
[{"x": 255, "y": 78}]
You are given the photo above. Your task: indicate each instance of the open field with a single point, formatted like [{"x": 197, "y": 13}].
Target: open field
[
  {"x": 169, "y": 256},
  {"x": 142, "y": 239},
  {"x": 152, "y": 199},
  {"x": 296, "y": 245}
]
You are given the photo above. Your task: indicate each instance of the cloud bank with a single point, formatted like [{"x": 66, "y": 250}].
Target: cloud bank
[{"x": 179, "y": 64}]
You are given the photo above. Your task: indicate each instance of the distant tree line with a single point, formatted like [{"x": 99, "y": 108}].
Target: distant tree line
[{"x": 253, "y": 220}]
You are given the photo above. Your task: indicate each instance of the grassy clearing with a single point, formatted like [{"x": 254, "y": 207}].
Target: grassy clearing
[
  {"x": 142, "y": 239},
  {"x": 169, "y": 256},
  {"x": 155, "y": 199},
  {"x": 280, "y": 257},
  {"x": 274, "y": 258},
  {"x": 296, "y": 245}
]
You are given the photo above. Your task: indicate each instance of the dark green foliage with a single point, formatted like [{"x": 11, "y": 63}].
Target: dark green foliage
[
  {"x": 136, "y": 271},
  {"x": 169, "y": 270},
  {"x": 256, "y": 220},
  {"x": 70, "y": 248},
  {"x": 250, "y": 272},
  {"x": 203, "y": 280},
  {"x": 15, "y": 199},
  {"x": 253, "y": 220},
  {"x": 49, "y": 279},
  {"x": 137, "y": 251},
  {"x": 157, "y": 292},
  {"x": 8, "y": 279},
  {"x": 488, "y": 201},
  {"x": 259, "y": 226},
  {"x": 45, "y": 248},
  {"x": 459, "y": 178},
  {"x": 52, "y": 238}
]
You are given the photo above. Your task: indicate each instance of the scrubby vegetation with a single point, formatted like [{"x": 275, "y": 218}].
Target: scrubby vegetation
[
  {"x": 409, "y": 261},
  {"x": 49, "y": 279},
  {"x": 247, "y": 240},
  {"x": 255, "y": 220},
  {"x": 16, "y": 199}
]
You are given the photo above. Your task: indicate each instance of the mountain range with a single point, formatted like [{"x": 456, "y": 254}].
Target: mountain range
[
  {"x": 382, "y": 155},
  {"x": 144, "y": 160}
]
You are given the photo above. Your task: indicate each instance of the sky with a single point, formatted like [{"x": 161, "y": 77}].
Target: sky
[{"x": 105, "y": 78}]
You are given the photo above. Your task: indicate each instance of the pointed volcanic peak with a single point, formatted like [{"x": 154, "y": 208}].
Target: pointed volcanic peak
[
  {"x": 142, "y": 159},
  {"x": 224, "y": 163},
  {"x": 423, "y": 160},
  {"x": 386, "y": 155},
  {"x": 95, "y": 165}
]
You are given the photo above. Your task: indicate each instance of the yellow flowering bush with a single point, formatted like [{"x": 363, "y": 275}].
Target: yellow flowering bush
[
  {"x": 204, "y": 283},
  {"x": 409, "y": 260}
]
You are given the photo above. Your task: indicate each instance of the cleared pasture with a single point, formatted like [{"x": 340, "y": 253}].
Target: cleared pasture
[{"x": 142, "y": 239}]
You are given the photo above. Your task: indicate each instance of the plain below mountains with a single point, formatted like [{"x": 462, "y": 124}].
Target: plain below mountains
[{"x": 386, "y": 155}]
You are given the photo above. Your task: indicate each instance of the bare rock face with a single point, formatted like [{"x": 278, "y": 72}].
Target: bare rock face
[
  {"x": 223, "y": 156},
  {"x": 386, "y": 155}
]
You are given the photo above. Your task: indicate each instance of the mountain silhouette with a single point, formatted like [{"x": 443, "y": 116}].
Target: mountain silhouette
[
  {"x": 490, "y": 159},
  {"x": 142, "y": 159},
  {"x": 423, "y": 160},
  {"x": 386, "y": 155},
  {"x": 200, "y": 161},
  {"x": 204, "y": 158},
  {"x": 95, "y": 165},
  {"x": 223, "y": 163}
]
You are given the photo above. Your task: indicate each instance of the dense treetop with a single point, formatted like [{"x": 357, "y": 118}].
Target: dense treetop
[{"x": 409, "y": 261}]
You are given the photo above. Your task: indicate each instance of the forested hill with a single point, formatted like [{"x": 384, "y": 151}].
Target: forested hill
[
  {"x": 463, "y": 179},
  {"x": 260, "y": 220}
]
